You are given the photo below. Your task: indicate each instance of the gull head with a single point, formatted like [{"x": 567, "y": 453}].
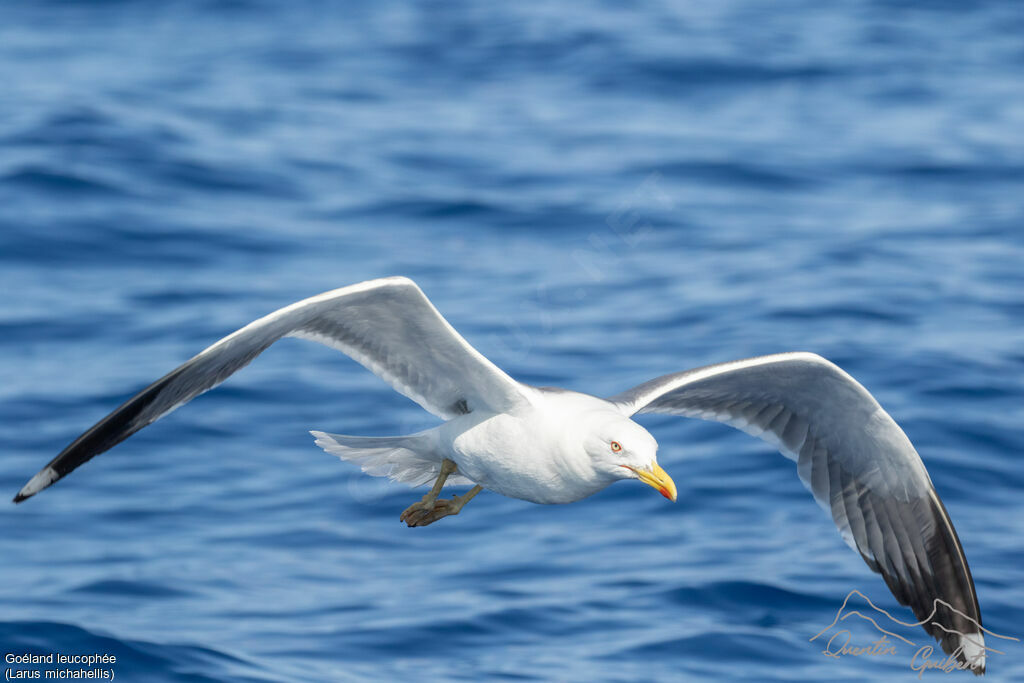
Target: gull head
[{"x": 621, "y": 449}]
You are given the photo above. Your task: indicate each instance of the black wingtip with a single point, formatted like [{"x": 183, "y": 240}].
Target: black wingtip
[{"x": 18, "y": 498}]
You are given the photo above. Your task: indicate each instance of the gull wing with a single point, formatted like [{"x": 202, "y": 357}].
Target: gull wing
[
  {"x": 859, "y": 465},
  {"x": 387, "y": 325}
]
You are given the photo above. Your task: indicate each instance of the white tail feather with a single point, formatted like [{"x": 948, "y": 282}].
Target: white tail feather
[{"x": 408, "y": 459}]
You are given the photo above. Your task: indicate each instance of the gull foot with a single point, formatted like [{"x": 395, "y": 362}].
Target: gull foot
[
  {"x": 423, "y": 513},
  {"x": 430, "y": 509}
]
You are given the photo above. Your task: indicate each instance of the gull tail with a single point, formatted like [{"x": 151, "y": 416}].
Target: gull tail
[{"x": 413, "y": 459}]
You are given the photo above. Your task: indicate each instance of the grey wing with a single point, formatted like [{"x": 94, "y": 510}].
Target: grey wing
[
  {"x": 857, "y": 462},
  {"x": 387, "y": 325}
]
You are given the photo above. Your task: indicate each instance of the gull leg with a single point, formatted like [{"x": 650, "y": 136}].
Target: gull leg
[
  {"x": 419, "y": 509},
  {"x": 430, "y": 509}
]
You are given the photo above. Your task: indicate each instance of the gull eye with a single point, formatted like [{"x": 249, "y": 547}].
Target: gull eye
[{"x": 616, "y": 447}]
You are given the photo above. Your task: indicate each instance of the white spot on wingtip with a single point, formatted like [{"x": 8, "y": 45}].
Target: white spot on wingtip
[
  {"x": 43, "y": 478},
  {"x": 973, "y": 647}
]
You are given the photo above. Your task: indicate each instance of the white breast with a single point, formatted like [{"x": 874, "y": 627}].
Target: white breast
[{"x": 523, "y": 456}]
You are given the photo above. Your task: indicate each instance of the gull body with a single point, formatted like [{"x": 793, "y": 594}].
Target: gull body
[
  {"x": 550, "y": 445},
  {"x": 553, "y": 447},
  {"x": 550, "y": 451}
]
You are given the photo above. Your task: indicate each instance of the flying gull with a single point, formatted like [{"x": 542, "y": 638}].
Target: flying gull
[{"x": 548, "y": 445}]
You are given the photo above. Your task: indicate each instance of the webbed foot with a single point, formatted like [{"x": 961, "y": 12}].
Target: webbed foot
[{"x": 431, "y": 509}]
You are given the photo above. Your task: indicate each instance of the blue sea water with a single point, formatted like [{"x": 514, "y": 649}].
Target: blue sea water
[{"x": 594, "y": 194}]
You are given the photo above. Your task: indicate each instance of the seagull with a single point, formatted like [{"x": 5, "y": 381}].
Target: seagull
[{"x": 551, "y": 445}]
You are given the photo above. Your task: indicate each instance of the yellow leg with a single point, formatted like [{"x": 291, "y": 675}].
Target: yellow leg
[{"x": 430, "y": 509}]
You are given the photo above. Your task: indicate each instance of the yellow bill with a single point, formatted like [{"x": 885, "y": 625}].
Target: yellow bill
[{"x": 658, "y": 479}]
